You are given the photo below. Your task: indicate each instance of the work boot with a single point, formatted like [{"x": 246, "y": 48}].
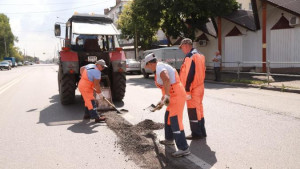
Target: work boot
[
  {"x": 167, "y": 142},
  {"x": 86, "y": 117},
  {"x": 181, "y": 153},
  {"x": 86, "y": 114},
  {"x": 100, "y": 119},
  {"x": 191, "y": 137}
]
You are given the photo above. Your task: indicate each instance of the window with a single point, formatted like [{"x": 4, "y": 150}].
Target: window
[
  {"x": 202, "y": 42},
  {"x": 250, "y": 6},
  {"x": 240, "y": 5}
]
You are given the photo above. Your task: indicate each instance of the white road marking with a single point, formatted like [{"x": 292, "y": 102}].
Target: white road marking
[
  {"x": 199, "y": 162},
  {"x": 10, "y": 84},
  {"x": 193, "y": 158}
]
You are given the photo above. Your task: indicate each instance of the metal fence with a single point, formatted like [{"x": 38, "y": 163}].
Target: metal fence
[{"x": 268, "y": 73}]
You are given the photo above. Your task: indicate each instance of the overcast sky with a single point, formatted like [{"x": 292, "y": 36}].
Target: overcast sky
[{"x": 32, "y": 21}]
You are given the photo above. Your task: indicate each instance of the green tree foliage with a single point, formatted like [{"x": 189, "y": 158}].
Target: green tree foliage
[
  {"x": 174, "y": 17},
  {"x": 136, "y": 20},
  {"x": 183, "y": 17},
  {"x": 7, "y": 38}
]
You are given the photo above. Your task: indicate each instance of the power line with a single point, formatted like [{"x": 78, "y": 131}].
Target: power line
[
  {"x": 17, "y": 4},
  {"x": 60, "y": 10}
]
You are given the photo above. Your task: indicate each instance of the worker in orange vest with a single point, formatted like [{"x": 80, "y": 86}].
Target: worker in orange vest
[
  {"x": 173, "y": 96},
  {"x": 90, "y": 82},
  {"x": 192, "y": 74}
]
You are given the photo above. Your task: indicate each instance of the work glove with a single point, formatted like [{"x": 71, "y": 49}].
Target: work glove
[
  {"x": 188, "y": 96},
  {"x": 165, "y": 100},
  {"x": 99, "y": 96}
]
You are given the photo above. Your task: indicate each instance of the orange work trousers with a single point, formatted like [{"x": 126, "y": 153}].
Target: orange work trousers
[
  {"x": 195, "y": 112},
  {"x": 173, "y": 116}
]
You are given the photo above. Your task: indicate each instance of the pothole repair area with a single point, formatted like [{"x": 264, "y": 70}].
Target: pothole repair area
[{"x": 139, "y": 143}]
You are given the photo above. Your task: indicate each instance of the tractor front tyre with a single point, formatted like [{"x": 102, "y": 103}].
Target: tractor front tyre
[
  {"x": 145, "y": 74},
  {"x": 118, "y": 86},
  {"x": 67, "y": 87}
]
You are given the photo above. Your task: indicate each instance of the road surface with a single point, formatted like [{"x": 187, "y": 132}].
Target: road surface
[{"x": 246, "y": 127}]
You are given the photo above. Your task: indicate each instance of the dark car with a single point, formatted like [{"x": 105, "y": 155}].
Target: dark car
[
  {"x": 133, "y": 66},
  {"x": 5, "y": 65}
]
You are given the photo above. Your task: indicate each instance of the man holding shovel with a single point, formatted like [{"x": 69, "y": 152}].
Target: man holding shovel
[
  {"x": 90, "y": 80},
  {"x": 167, "y": 79}
]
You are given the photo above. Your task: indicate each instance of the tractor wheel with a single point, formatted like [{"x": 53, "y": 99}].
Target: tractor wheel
[
  {"x": 118, "y": 86},
  {"x": 59, "y": 74},
  {"x": 67, "y": 88},
  {"x": 145, "y": 74}
]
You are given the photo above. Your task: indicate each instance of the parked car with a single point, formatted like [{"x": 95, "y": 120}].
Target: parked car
[
  {"x": 5, "y": 65},
  {"x": 20, "y": 64},
  {"x": 10, "y": 63},
  {"x": 12, "y": 60},
  {"x": 133, "y": 66},
  {"x": 171, "y": 55}
]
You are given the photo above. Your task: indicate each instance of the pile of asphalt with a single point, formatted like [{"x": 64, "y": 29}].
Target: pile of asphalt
[{"x": 137, "y": 141}]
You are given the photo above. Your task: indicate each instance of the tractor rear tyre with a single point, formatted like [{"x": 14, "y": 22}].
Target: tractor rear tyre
[
  {"x": 118, "y": 86},
  {"x": 67, "y": 88}
]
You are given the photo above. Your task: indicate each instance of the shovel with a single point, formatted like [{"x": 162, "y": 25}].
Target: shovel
[
  {"x": 114, "y": 107},
  {"x": 153, "y": 108}
]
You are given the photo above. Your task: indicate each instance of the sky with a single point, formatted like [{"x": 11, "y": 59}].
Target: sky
[{"x": 32, "y": 21}]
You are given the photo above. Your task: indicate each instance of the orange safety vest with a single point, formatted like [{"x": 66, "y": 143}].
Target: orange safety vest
[{"x": 192, "y": 71}]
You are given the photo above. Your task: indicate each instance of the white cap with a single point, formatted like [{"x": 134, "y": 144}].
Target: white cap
[
  {"x": 149, "y": 57},
  {"x": 101, "y": 62},
  {"x": 186, "y": 41}
]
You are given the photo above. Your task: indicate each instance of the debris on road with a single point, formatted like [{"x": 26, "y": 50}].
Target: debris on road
[{"x": 138, "y": 142}]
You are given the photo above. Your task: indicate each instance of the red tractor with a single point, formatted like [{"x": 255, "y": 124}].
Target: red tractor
[{"x": 89, "y": 38}]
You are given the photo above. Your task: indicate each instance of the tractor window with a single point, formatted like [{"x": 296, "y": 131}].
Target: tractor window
[{"x": 105, "y": 42}]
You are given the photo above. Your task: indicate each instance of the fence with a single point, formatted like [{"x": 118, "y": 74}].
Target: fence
[{"x": 268, "y": 66}]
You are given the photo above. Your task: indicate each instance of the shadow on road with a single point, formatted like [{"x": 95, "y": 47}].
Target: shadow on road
[
  {"x": 166, "y": 160},
  {"x": 58, "y": 114},
  {"x": 84, "y": 127},
  {"x": 200, "y": 149}
]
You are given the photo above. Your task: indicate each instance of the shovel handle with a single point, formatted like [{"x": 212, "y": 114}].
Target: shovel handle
[{"x": 112, "y": 105}]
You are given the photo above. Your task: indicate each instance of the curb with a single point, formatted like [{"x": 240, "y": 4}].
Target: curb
[{"x": 274, "y": 88}]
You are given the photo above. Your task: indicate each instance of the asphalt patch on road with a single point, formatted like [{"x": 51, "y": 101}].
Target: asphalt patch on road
[{"x": 139, "y": 143}]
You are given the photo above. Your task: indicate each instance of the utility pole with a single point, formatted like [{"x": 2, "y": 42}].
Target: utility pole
[
  {"x": 5, "y": 46},
  {"x": 136, "y": 44}
]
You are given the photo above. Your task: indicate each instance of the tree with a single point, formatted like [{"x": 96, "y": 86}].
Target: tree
[
  {"x": 174, "y": 17},
  {"x": 182, "y": 17},
  {"x": 137, "y": 20},
  {"x": 7, "y": 40}
]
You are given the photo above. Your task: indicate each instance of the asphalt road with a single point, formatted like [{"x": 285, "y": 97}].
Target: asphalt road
[
  {"x": 36, "y": 131},
  {"x": 246, "y": 127}
]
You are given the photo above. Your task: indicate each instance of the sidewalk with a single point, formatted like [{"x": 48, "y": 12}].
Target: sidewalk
[{"x": 277, "y": 83}]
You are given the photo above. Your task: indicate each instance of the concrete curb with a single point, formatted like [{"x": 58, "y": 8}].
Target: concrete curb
[{"x": 274, "y": 88}]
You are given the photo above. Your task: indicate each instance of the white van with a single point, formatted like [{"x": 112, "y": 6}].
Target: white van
[{"x": 170, "y": 55}]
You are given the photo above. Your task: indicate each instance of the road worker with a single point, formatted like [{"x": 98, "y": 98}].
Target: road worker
[
  {"x": 90, "y": 82},
  {"x": 173, "y": 96},
  {"x": 192, "y": 74}
]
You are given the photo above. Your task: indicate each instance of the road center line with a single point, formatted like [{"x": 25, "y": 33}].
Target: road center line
[{"x": 8, "y": 85}]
